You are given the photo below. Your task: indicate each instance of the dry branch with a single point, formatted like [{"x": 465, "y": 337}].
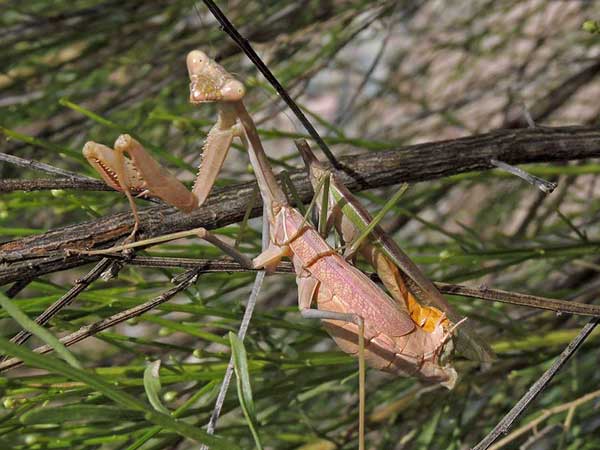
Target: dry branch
[
  {"x": 40, "y": 184},
  {"x": 557, "y": 97},
  {"x": 45, "y": 253}
]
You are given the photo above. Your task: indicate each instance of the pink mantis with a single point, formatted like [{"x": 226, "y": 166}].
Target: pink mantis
[
  {"x": 394, "y": 342},
  {"x": 351, "y": 306}
]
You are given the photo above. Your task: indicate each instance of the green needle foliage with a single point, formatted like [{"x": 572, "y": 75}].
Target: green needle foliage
[
  {"x": 371, "y": 76},
  {"x": 244, "y": 389},
  {"x": 27, "y": 324}
]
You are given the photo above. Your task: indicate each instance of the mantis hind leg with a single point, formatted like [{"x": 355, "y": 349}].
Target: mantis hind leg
[{"x": 359, "y": 321}]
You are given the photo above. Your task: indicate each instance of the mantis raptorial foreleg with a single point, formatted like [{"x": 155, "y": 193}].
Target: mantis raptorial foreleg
[
  {"x": 121, "y": 173},
  {"x": 130, "y": 169},
  {"x": 399, "y": 274},
  {"x": 137, "y": 174}
]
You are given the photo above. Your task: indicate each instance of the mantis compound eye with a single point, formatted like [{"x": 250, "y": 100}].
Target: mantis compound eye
[
  {"x": 196, "y": 61},
  {"x": 233, "y": 90}
]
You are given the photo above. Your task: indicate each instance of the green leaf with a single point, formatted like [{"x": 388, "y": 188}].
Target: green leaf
[
  {"x": 152, "y": 386},
  {"x": 71, "y": 413},
  {"x": 12, "y": 134},
  {"x": 425, "y": 437},
  {"x": 581, "y": 234},
  {"x": 591, "y": 26},
  {"x": 380, "y": 215},
  {"x": 240, "y": 365},
  {"x": 177, "y": 413},
  {"x": 120, "y": 397},
  {"x": 37, "y": 330}
]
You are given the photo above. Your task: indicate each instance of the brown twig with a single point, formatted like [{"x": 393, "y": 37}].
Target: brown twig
[
  {"x": 515, "y": 298},
  {"x": 43, "y": 167},
  {"x": 80, "y": 285},
  {"x": 41, "y": 184},
  {"x": 202, "y": 265},
  {"x": 546, "y": 414},
  {"x": 17, "y": 287},
  {"x": 557, "y": 97}
]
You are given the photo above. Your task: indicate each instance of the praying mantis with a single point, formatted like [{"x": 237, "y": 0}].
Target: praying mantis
[
  {"x": 406, "y": 339},
  {"x": 394, "y": 342}
]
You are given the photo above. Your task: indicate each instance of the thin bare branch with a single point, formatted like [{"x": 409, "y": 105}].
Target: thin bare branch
[
  {"x": 17, "y": 287},
  {"x": 202, "y": 265},
  {"x": 547, "y": 187},
  {"x": 79, "y": 286},
  {"x": 516, "y": 298},
  {"x": 568, "y": 406},
  {"x": 43, "y": 167},
  {"x": 101, "y": 325},
  {"x": 42, "y": 184},
  {"x": 556, "y": 97}
]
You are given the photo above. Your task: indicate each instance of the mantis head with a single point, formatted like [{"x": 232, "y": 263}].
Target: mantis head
[
  {"x": 209, "y": 82},
  {"x": 315, "y": 168}
]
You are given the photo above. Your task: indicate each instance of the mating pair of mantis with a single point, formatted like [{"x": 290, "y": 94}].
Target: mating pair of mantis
[{"x": 395, "y": 334}]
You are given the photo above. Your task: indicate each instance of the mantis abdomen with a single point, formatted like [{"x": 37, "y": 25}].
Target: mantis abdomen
[{"x": 393, "y": 343}]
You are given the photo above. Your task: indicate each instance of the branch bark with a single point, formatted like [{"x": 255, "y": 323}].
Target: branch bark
[
  {"x": 36, "y": 255},
  {"x": 42, "y": 184}
]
